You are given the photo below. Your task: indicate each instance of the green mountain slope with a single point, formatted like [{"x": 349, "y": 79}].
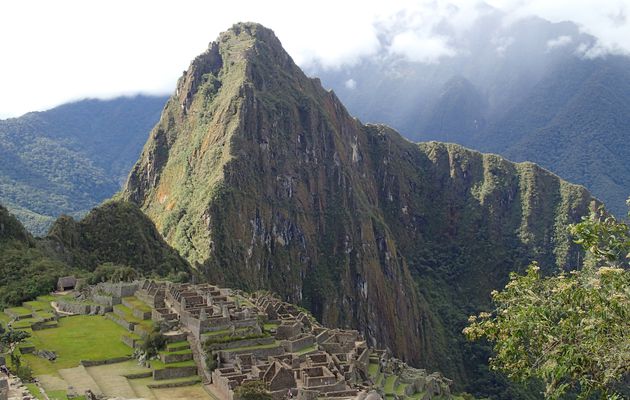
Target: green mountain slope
[
  {"x": 261, "y": 179},
  {"x": 576, "y": 123},
  {"x": 117, "y": 233},
  {"x": 70, "y": 158},
  {"x": 525, "y": 92},
  {"x": 25, "y": 270}
]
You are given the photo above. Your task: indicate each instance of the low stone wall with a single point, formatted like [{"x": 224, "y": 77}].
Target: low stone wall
[
  {"x": 106, "y": 300},
  {"x": 258, "y": 353},
  {"x": 94, "y": 363},
  {"x": 41, "y": 325},
  {"x": 174, "y": 372},
  {"x": 192, "y": 381},
  {"x": 299, "y": 344},
  {"x": 82, "y": 308},
  {"x": 178, "y": 337},
  {"x": 168, "y": 358},
  {"x": 127, "y": 325},
  {"x": 120, "y": 289},
  {"x": 139, "y": 375},
  {"x": 130, "y": 341},
  {"x": 322, "y": 336},
  {"x": 17, "y": 316},
  {"x": 243, "y": 343},
  {"x": 144, "y": 315}
]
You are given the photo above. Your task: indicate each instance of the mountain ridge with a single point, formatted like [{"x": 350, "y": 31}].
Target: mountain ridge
[
  {"x": 261, "y": 179},
  {"x": 71, "y": 158}
]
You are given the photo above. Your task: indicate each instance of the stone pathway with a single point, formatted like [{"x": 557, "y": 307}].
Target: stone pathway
[{"x": 17, "y": 390}]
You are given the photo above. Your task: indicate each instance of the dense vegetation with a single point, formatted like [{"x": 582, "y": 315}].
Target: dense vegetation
[
  {"x": 25, "y": 270},
  {"x": 570, "y": 330},
  {"x": 69, "y": 159},
  {"x": 115, "y": 241}
]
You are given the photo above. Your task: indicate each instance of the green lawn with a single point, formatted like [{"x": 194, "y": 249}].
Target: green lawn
[
  {"x": 389, "y": 384},
  {"x": 19, "y": 310},
  {"x": 373, "y": 369},
  {"x": 77, "y": 338},
  {"x": 269, "y": 327},
  {"x": 34, "y": 391},
  {"x": 176, "y": 346},
  {"x": 158, "y": 364},
  {"x": 137, "y": 303},
  {"x": 38, "y": 305}
]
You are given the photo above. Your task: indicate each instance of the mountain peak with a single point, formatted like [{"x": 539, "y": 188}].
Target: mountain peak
[
  {"x": 229, "y": 60},
  {"x": 261, "y": 179}
]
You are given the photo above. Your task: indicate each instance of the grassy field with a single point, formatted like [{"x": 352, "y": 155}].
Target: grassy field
[{"x": 77, "y": 338}]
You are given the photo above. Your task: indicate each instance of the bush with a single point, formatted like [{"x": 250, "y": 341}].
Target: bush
[
  {"x": 254, "y": 390},
  {"x": 153, "y": 343}
]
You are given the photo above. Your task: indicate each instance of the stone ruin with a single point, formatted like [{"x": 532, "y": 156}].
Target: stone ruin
[
  {"x": 258, "y": 337},
  {"x": 297, "y": 355}
]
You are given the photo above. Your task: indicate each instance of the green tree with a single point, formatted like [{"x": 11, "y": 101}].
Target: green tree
[
  {"x": 254, "y": 390},
  {"x": 571, "y": 330},
  {"x": 9, "y": 341}
]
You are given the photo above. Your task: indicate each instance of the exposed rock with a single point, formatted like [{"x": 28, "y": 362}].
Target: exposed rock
[{"x": 261, "y": 179}]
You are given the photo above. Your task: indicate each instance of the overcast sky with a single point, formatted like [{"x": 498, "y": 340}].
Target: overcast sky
[{"x": 57, "y": 51}]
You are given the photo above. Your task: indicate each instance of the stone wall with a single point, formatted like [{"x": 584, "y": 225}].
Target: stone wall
[
  {"x": 174, "y": 372},
  {"x": 298, "y": 344},
  {"x": 168, "y": 358}
]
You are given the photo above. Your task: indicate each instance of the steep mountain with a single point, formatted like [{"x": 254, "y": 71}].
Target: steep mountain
[
  {"x": 524, "y": 90},
  {"x": 72, "y": 157},
  {"x": 261, "y": 179},
  {"x": 115, "y": 232}
]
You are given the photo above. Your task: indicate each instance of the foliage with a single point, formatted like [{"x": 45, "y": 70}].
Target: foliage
[
  {"x": 253, "y": 390},
  {"x": 11, "y": 338},
  {"x": 113, "y": 273},
  {"x": 211, "y": 360},
  {"x": 25, "y": 270},
  {"x": 119, "y": 233},
  {"x": 70, "y": 158},
  {"x": 153, "y": 342},
  {"x": 570, "y": 330},
  {"x": 607, "y": 239},
  {"x": 9, "y": 341}
]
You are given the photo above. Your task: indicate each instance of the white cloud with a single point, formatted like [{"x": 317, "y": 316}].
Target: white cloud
[
  {"x": 53, "y": 52},
  {"x": 606, "y": 20},
  {"x": 560, "y": 41},
  {"x": 350, "y": 84},
  {"x": 502, "y": 44},
  {"x": 423, "y": 49}
]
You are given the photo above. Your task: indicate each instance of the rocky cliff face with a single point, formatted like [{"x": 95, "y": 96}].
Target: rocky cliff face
[{"x": 261, "y": 179}]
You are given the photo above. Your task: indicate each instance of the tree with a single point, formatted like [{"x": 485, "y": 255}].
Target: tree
[
  {"x": 254, "y": 390},
  {"x": 9, "y": 340},
  {"x": 571, "y": 330}
]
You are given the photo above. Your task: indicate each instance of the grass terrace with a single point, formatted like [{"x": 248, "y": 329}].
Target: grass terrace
[{"x": 77, "y": 338}]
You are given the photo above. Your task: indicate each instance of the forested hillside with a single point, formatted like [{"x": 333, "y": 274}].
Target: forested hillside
[{"x": 69, "y": 159}]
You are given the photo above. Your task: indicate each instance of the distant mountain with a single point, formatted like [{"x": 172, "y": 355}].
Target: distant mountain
[
  {"x": 262, "y": 180},
  {"x": 524, "y": 91},
  {"x": 72, "y": 157}
]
